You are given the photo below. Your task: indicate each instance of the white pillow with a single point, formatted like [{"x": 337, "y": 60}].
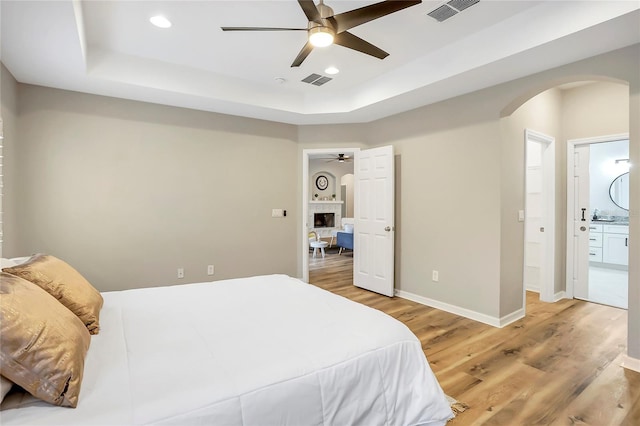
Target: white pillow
[
  {"x": 7, "y": 263},
  {"x": 20, "y": 260},
  {"x": 5, "y": 386},
  {"x": 348, "y": 228}
]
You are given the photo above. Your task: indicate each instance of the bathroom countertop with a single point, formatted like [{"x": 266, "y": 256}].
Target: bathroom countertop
[{"x": 606, "y": 222}]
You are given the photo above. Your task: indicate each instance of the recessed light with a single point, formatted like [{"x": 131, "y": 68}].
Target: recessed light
[
  {"x": 160, "y": 21},
  {"x": 332, "y": 70}
]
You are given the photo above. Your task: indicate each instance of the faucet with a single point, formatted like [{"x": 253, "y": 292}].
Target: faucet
[{"x": 595, "y": 214}]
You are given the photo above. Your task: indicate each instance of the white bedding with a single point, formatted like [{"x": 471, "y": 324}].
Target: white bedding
[{"x": 264, "y": 350}]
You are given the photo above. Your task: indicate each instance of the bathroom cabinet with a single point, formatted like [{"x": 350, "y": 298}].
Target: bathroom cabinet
[
  {"x": 609, "y": 244},
  {"x": 595, "y": 243}
]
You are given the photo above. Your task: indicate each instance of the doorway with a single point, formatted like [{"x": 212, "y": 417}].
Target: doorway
[
  {"x": 372, "y": 238},
  {"x": 327, "y": 189},
  {"x": 597, "y": 258},
  {"x": 539, "y": 234}
]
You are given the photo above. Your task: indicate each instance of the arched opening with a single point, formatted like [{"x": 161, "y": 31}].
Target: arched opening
[
  {"x": 534, "y": 91},
  {"x": 576, "y": 107}
]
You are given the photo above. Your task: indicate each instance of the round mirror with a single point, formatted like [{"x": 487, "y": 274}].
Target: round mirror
[{"x": 619, "y": 191}]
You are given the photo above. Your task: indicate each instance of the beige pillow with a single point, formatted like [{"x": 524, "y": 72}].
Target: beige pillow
[
  {"x": 5, "y": 386},
  {"x": 42, "y": 343},
  {"x": 64, "y": 283}
]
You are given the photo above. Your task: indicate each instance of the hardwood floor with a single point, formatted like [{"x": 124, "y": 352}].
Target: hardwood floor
[{"x": 560, "y": 365}]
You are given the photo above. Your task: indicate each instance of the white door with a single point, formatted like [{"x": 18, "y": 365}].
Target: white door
[
  {"x": 581, "y": 222},
  {"x": 540, "y": 215},
  {"x": 373, "y": 242}
]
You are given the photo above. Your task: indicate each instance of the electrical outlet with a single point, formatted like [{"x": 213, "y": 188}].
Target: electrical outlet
[
  {"x": 180, "y": 272},
  {"x": 210, "y": 270},
  {"x": 434, "y": 276}
]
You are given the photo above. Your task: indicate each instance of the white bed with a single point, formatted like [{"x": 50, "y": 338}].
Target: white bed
[{"x": 266, "y": 350}]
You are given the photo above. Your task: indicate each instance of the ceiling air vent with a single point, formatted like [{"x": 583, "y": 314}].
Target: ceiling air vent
[
  {"x": 442, "y": 13},
  {"x": 317, "y": 79},
  {"x": 461, "y": 5},
  {"x": 451, "y": 8}
]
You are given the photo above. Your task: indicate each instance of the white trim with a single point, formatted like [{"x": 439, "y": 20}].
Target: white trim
[
  {"x": 463, "y": 312},
  {"x": 571, "y": 146},
  {"x": 559, "y": 296},
  {"x": 630, "y": 363},
  {"x": 532, "y": 288},
  {"x": 512, "y": 317},
  {"x": 304, "y": 230}
]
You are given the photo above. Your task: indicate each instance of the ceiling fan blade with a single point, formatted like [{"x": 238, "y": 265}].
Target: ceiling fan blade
[
  {"x": 344, "y": 21},
  {"x": 261, "y": 29},
  {"x": 308, "y": 47},
  {"x": 310, "y": 10},
  {"x": 346, "y": 39}
]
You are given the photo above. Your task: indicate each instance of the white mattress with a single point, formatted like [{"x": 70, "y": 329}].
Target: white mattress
[{"x": 267, "y": 350}]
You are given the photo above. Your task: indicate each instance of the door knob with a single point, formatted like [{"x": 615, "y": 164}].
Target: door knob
[
  {"x": 542, "y": 229},
  {"x": 387, "y": 228}
]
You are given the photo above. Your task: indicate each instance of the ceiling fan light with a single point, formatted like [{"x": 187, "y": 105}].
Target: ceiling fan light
[{"x": 321, "y": 36}]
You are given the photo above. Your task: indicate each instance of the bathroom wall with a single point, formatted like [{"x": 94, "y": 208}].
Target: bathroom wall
[{"x": 602, "y": 171}]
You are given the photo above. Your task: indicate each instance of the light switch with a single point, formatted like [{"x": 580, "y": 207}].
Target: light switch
[
  {"x": 277, "y": 213},
  {"x": 520, "y": 215}
]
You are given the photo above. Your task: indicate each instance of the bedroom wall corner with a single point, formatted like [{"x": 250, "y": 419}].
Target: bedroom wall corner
[{"x": 8, "y": 160}]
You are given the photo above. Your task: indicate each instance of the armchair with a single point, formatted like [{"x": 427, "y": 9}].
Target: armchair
[{"x": 345, "y": 241}]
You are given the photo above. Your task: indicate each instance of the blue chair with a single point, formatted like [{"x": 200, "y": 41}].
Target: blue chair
[{"x": 345, "y": 241}]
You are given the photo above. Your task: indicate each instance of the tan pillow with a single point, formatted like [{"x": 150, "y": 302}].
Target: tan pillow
[
  {"x": 42, "y": 343},
  {"x": 5, "y": 387},
  {"x": 64, "y": 283}
]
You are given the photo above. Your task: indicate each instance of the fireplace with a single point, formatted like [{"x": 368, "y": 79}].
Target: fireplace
[{"x": 323, "y": 220}]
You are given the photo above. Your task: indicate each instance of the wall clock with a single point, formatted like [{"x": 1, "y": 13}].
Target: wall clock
[{"x": 322, "y": 182}]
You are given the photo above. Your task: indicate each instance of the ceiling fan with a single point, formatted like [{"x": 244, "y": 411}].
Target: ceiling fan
[
  {"x": 325, "y": 28},
  {"x": 341, "y": 158}
]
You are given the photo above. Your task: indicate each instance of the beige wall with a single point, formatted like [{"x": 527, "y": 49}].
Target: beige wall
[
  {"x": 128, "y": 192},
  {"x": 633, "y": 341},
  {"x": 9, "y": 113},
  {"x": 595, "y": 110}
]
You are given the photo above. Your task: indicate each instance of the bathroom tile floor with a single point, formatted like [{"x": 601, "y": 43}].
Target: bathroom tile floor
[{"x": 608, "y": 286}]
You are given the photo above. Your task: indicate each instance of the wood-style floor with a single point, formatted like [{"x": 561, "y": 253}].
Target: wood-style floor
[{"x": 560, "y": 365}]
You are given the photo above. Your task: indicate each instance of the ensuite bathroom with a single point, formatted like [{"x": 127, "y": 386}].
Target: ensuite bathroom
[{"x": 609, "y": 223}]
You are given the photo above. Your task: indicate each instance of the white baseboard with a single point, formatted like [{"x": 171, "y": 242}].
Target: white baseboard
[
  {"x": 630, "y": 363},
  {"x": 512, "y": 317},
  {"x": 559, "y": 296},
  {"x": 533, "y": 288},
  {"x": 463, "y": 312}
]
